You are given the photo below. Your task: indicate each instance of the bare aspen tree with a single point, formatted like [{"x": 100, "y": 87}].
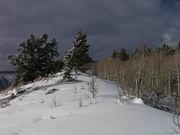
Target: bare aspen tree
[
  {"x": 177, "y": 63},
  {"x": 176, "y": 116},
  {"x": 149, "y": 75}
]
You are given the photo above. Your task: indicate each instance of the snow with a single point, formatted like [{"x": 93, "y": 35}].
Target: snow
[
  {"x": 138, "y": 101},
  {"x": 71, "y": 110}
]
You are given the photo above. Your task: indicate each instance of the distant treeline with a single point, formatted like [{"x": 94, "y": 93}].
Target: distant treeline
[
  {"x": 7, "y": 72},
  {"x": 152, "y": 75}
]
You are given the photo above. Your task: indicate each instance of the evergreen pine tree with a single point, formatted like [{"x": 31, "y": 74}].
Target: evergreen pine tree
[
  {"x": 142, "y": 51},
  {"x": 123, "y": 55},
  {"x": 80, "y": 52},
  {"x": 68, "y": 66},
  {"x": 58, "y": 65},
  {"x": 114, "y": 54},
  {"x": 34, "y": 58},
  {"x": 178, "y": 45},
  {"x": 77, "y": 57},
  {"x": 165, "y": 50}
]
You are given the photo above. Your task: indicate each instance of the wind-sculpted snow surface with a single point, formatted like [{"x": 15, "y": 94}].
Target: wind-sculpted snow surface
[{"x": 69, "y": 109}]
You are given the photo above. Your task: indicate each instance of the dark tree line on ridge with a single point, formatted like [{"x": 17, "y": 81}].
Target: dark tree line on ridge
[{"x": 37, "y": 57}]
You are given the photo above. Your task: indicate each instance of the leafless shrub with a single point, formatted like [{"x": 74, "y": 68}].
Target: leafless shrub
[
  {"x": 80, "y": 102},
  {"x": 92, "y": 86},
  {"x": 54, "y": 103},
  {"x": 75, "y": 90},
  {"x": 120, "y": 94},
  {"x": 42, "y": 101},
  {"x": 176, "y": 117},
  {"x": 82, "y": 87}
]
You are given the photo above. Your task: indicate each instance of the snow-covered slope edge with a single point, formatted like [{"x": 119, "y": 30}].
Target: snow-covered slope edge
[{"x": 71, "y": 110}]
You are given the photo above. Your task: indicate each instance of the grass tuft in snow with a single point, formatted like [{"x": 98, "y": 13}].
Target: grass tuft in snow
[
  {"x": 80, "y": 102},
  {"x": 55, "y": 103}
]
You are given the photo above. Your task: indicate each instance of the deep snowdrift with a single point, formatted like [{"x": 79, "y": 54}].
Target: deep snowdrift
[{"x": 70, "y": 110}]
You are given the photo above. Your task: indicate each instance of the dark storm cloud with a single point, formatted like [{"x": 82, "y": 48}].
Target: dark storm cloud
[
  {"x": 169, "y": 2},
  {"x": 110, "y": 24}
]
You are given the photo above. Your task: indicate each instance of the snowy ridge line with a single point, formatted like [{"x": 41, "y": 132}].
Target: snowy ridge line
[{"x": 68, "y": 108}]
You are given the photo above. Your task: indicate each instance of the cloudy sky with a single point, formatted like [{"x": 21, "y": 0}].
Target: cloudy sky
[{"x": 110, "y": 24}]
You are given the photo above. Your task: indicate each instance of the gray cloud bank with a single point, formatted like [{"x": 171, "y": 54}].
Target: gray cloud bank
[{"x": 110, "y": 24}]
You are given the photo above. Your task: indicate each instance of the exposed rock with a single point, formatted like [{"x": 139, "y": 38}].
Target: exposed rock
[{"x": 51, "y": 91}]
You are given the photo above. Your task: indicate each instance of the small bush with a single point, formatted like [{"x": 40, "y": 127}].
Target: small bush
[
  {"x": 92, "y": 86},
  {"x": 55, "y": 103},
  {"x": 80, "y": 103}
]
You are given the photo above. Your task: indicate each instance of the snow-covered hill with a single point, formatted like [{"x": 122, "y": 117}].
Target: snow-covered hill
[{"x": 55, "y": 108}]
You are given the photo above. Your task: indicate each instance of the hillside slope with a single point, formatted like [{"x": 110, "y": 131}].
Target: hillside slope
[{"x": 71, "y": 110}]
